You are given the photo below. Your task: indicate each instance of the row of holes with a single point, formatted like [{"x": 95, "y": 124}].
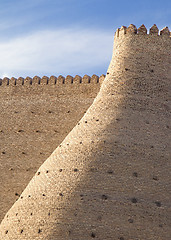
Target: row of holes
[
  {"x": 24, "y": 153},
  {"x": 44, "y": 112}
]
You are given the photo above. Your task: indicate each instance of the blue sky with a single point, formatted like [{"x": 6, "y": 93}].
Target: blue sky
[{"x": 53, "y": 37}]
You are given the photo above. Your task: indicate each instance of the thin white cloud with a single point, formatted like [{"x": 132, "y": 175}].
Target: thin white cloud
[{"x": 56, "y": 51}]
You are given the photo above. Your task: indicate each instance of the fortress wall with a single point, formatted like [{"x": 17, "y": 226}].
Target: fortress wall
[
  {"x": 110, "y": 177},
  {"x": 35, "y": 118},
  {"x": 138, "y": 57}
]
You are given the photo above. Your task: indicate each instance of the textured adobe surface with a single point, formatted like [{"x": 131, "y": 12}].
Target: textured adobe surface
[
  {"x": 110, "y": 177},
  {"x": 34, "y": 121}
]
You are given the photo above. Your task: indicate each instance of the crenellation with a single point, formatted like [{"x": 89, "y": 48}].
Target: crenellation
[
  {"x": 101, "y": 78},
  {"x": 13, "y": 81},
  {"x": 44, "y": 80},
  {"x": 28, "y": 81},
  {"x": 5, "y": 81},
  {"x": 20, "y": 81},
  {"x": 154, "y": 30},
  {"x": 60, "y": 79},
  {"x": 77, "y": 79},
  {"x": 142, "y": 30},
  {"x": 52, "y": 80},
  {"x": 69, "y": 79},
  {"x": 86, "y": 79},
  {"x": 36, "y": 80},
  {"x": 165, "y": 31},
  {"x": 94, "y": 79},
  {"x": 122, "y": 31},
  {"x": 131, "y": 29}
]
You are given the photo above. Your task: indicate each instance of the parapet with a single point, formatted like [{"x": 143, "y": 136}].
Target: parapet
[
  {"x": 94, "y": 79},
  {"x": 142, "y": 30}
]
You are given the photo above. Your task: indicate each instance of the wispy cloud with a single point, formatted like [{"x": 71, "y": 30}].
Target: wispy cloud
[{"x": 54, "y": 52}]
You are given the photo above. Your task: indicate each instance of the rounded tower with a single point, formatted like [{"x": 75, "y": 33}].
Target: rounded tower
[{"x": 110, "y": 177}]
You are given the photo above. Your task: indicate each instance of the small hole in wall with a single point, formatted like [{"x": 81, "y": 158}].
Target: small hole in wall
[
  {"x": 47, "y": 171},
  {"x": 3, "y": 152},
  {"x": 104, "y": 197},
  {"x": 43, "y": 195},
  {"x": 158, "y": 204},
  {"x": 134, "y": 200},
  {"x": 29, "y": 196},
  {"x": 151, "y": 70},
  {"x": 130, "y": 220},
  {"x": 135, "y": 174},
  {"x": 31, "y": 214},
  {"x": 6, "y": 232},
  {"x": 155, "y": 178},
  {"x": 16, "y": 194},
  {"x": 21, "y": 231},
  {"x": 107, "y": 73},
  {"x": 23, "y": 153},
  {"x": 38, "y": 173},
  {"x": 75, "y": 170},
  {"x": 60, "y": 194},
  {"x": 39, "y": 82},
  {"x": 93, "y": 235},
  {"x": 20, "y": 130},
  {"x": 110, "y": 172},
  {"x": 126, "y": 69},
  {"x": 39, "y": 231},
  {"x": 85, "y": 121}
]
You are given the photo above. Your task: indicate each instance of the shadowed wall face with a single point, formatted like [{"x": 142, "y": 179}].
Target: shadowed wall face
[
  {"x": 35, "y": 118},
  {"x": 110, "y": 177}
]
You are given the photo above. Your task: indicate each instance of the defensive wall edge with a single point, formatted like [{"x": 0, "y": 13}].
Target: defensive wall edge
[
  {"x": 53, "y": 80},
  {"x": 142, "y": 30}
]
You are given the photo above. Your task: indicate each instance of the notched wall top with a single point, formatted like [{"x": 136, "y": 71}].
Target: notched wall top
[
  {"x": 142, "y": 30},
  {"x": 94, "y": 79}
]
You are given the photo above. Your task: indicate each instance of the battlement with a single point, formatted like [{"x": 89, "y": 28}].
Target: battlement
[
  {"x": 142, "y": 30},
  {"x": 94, "y": 79}
]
